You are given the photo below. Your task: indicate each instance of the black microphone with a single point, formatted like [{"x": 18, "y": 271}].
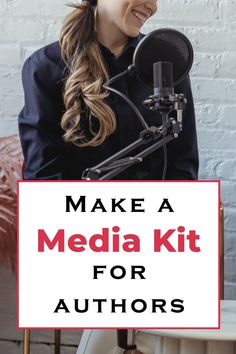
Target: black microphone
[
  {"x": 163, "y": 78},
  {"x": 163, "y": 85}
]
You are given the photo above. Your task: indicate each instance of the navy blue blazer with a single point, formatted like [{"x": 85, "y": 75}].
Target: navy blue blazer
[{"x": 47, "y": 156}]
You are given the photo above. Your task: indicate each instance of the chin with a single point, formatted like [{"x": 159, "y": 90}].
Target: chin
[{"x": 134, "y": 32}]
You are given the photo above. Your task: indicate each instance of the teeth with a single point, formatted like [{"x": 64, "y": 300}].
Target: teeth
[{"x": 140, "y": 16}]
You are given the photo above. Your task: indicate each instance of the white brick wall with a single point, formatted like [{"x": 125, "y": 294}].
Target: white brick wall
[{"x": 26, "y": 25}]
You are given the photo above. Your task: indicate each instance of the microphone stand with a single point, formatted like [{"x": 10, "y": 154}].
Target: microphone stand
[{"x": 156, "y": 137}]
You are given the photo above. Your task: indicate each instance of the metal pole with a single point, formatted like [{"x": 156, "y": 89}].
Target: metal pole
[
  {"x": 57, "y": 336},
  {"x": 26, "y": 341}
]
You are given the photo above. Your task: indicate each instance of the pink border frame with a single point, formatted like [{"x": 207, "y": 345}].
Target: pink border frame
[{"x": 110, "y": 328}]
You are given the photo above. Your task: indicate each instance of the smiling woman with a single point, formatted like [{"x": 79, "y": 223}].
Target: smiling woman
[{"x": 70, "y": 122}]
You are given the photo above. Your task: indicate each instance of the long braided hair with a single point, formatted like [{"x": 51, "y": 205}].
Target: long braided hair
[{"x": 83, "y": 90}]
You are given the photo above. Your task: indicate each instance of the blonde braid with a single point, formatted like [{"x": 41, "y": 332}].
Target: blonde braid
[{"x": 81, "y": 53}]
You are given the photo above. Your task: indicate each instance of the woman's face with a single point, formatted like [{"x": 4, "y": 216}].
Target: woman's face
[{"x": 127, "y": 15}]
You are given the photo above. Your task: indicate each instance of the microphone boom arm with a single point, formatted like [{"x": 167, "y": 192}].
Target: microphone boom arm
[
  {"x": 116, "y": 164},
  {"x": 159, "y": 136}
]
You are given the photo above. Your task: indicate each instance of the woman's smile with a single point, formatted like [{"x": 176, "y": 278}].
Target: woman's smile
[{"x": 142, "y": 17}]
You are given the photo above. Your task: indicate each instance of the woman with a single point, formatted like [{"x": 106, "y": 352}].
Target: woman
[{"x": 69, "y": 122}]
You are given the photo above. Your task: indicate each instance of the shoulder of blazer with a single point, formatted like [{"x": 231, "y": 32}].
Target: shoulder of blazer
[{"x": 48, "y": 63}]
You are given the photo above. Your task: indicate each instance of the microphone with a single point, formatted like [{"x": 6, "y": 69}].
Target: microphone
[
  {"x": 163, "y": 78},
  {"x": 163, "y": 86},
  {"x": 162, "y": 59}
]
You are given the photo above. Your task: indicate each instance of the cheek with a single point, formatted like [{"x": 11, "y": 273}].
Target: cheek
[
  {"x": 131, "y": 25},
  {"x": 125, "y": 20},
  {"x": 118, "y": 13}
]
